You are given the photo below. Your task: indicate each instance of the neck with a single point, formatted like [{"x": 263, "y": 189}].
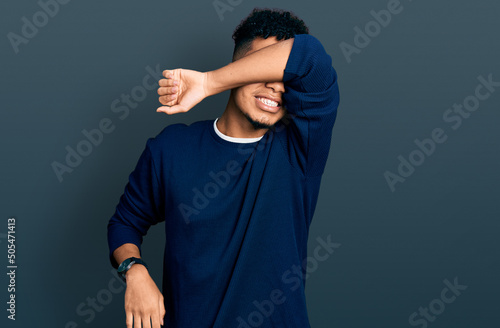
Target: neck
[{"x": 233, "y": 122}]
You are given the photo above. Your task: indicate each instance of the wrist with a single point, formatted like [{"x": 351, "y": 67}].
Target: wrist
[
  {"x": 136, "y": 270},
  {"x": 128, "y": 264},
  {"x": 211, "y": 84}
]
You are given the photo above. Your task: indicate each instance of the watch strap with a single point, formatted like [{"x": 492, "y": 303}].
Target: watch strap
[{"x": 127, "y": 264}]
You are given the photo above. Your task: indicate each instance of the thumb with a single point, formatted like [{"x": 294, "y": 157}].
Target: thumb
[{"x": 170, "y": 110}]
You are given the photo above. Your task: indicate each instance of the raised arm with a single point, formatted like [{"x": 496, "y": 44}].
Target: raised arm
[
  {"x": 311, "y": 98},
  {"x": 182, "y": 89},
  {"x": 264, "y": 65}
]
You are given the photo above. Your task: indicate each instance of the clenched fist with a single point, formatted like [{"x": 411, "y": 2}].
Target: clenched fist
[{"x": 181, "y": 90}]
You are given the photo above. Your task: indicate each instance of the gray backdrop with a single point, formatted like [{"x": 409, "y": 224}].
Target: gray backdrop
[{"x": 410, "y": 191}]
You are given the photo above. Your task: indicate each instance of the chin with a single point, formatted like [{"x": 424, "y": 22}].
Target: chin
[{"x": 263, "y": 120}]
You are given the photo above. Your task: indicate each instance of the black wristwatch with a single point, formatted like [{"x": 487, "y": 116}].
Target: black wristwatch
[{"x": 127, "y": 264}]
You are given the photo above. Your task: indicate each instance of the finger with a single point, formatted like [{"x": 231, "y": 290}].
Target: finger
[
  {"x": 137, "y": 321},
  {"x": 155, "y": 320},
  {"x": 168, "y": 82},
  {"x": 162, "y": 312},
  {"x": 168, "y": 74},
  {"x": 170, "y": 110},
  {"x": 167, "y": 90},
  {"x": 163, "y": 109},
  {"x": 168, "y": 100},
  {"x": 146, "y": 322},
  {"x": 129, "y": 319}
]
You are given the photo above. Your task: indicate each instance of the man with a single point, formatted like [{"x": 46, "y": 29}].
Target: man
[{"x": 237, "y": 194}]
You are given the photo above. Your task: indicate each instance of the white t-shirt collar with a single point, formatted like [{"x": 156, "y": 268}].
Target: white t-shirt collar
[{"x": 232, "y": 139}]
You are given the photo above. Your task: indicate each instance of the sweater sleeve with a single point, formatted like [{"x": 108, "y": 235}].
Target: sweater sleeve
[
  {"x": 140, "y": 205},
  {"x": 311, "y": 99}
]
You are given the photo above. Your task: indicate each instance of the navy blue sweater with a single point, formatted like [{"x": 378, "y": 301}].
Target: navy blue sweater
[{"x": 236, "y": 215}]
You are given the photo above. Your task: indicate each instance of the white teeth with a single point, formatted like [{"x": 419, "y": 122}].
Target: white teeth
[{"x": 269, "y": 102}]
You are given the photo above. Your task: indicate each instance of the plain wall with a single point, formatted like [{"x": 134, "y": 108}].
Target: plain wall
[{"x": 397, "y": 247}]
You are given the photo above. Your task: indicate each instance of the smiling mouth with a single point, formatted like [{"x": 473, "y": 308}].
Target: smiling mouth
[{"x": 268, "y": 102}]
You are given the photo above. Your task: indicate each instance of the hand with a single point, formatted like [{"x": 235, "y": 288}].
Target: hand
[
  {"x": 143, "y": 299},
  {"x": 181, "y": 90}
]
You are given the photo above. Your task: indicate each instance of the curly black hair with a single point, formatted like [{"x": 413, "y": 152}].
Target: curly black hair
[{"x": 265, "y": 23}]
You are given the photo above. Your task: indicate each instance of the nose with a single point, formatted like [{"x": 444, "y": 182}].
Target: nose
[{"x": 276, "y": 86}]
